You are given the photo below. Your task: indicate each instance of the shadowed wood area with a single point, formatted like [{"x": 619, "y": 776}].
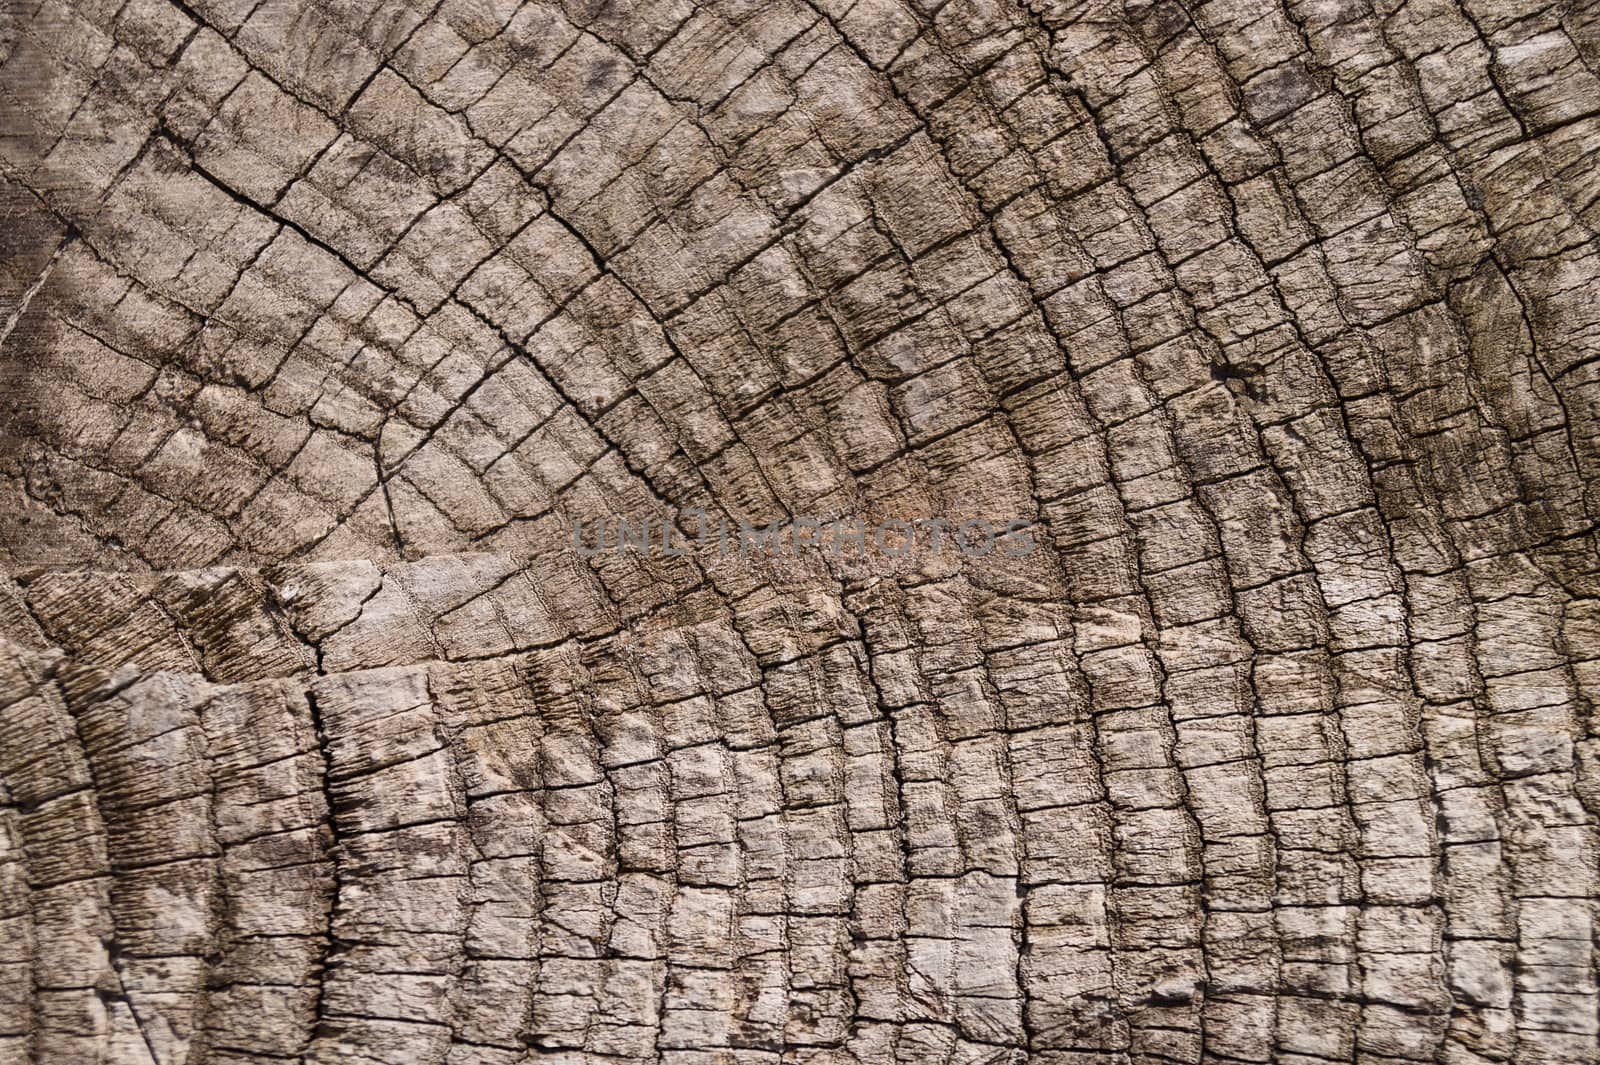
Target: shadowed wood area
[{"x": 324, "y": 322}]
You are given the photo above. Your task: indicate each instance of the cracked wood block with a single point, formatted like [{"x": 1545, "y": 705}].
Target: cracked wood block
[{"x": 323, "y": 327}]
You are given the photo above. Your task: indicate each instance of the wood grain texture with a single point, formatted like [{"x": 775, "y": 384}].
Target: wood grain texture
[{"x": 321, "y": 322}]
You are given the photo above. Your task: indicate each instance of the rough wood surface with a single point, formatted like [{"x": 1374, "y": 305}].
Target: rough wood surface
[{"x": 321, "y": 321}]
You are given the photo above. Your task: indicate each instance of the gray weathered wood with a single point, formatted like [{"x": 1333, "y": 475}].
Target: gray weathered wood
[{"x": 322, "y": 320}]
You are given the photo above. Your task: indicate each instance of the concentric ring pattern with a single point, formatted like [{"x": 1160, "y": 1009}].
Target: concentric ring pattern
[{"x": 325, "y": 321}]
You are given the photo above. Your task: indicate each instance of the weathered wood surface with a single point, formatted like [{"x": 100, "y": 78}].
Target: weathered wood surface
[{"x": 324, "y": 318}]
